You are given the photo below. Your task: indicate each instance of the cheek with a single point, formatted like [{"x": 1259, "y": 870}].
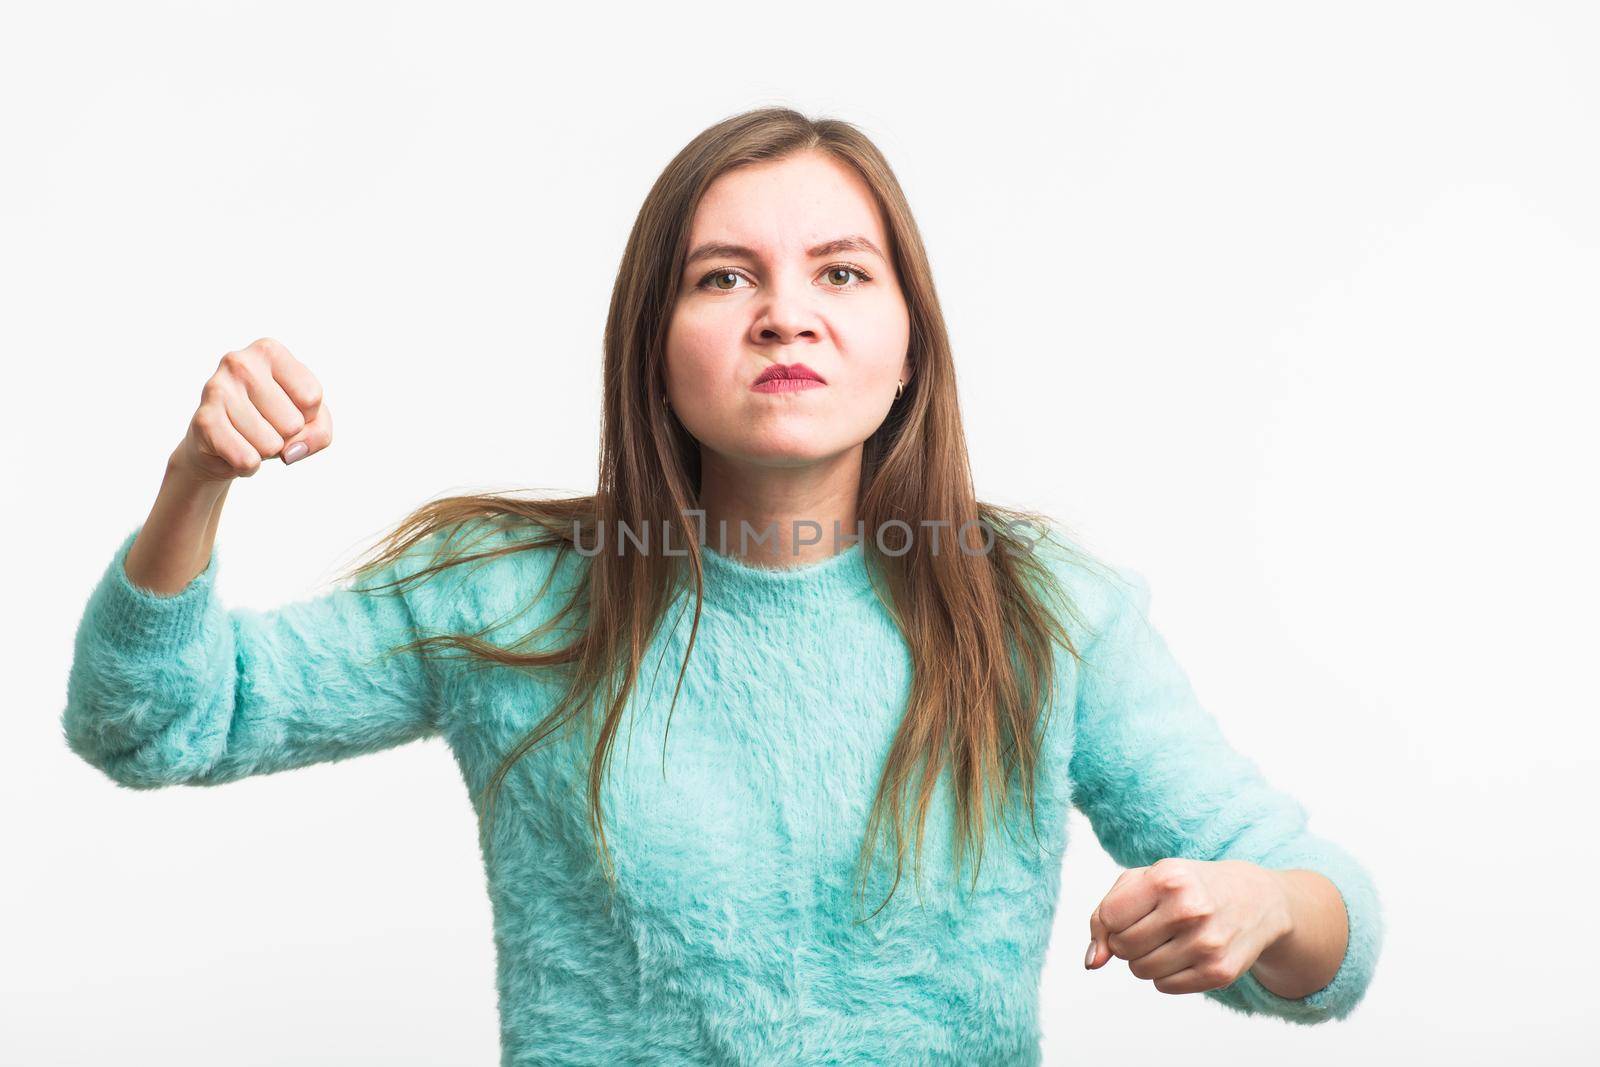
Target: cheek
[
  {"x": 877, "y": 338},
  {"x": 697, "y": 337},
  {"x": 700, "y": 325}
]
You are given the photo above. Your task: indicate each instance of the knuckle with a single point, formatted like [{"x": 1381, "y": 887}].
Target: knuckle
[
  {"x": 268, "y": 346},
  {"x": 1190, "y": 907},
  {"x": 1172, "y": 874},
  {"x": 1211, "y": 943},
  {"x": 236, "y": 364},
  {"x": 1216, "y": 974}
]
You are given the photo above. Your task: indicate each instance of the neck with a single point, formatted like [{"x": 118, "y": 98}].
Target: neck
[{"x": 780, "y": 516}]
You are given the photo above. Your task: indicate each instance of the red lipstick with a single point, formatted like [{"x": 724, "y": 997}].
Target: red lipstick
[{"x": 787, "y": 378}]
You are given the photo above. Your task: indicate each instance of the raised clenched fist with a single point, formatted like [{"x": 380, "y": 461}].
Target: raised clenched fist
[{"x": 260, "y": 403}]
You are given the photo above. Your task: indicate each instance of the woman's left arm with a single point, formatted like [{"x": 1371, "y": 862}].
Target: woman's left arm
[{"x": 1155, "y": 776}]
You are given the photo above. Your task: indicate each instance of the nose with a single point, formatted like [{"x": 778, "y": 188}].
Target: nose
[{"x": 785, "y": 314}]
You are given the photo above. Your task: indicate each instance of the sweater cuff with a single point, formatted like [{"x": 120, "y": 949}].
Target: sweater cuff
[
  {"x": 143, "y": 620},
  {"x": 1340, "y": 996}
]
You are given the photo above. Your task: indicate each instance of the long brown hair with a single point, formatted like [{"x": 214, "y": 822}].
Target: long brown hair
[{"x": 975, "y": 621}]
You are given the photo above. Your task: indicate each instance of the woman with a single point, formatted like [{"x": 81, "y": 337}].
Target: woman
[{"x": 863, "y": 651}]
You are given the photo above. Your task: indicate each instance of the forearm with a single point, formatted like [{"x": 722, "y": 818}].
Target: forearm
[
  {"x": 1305, "y": 958},
  {"x": 176, "y": 540}
]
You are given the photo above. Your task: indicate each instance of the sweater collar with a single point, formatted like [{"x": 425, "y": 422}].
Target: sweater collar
[{"x": 740, "y": 587}]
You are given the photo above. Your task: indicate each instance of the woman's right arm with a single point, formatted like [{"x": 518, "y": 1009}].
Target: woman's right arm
[
  {"x": 168, "y": 687},
  {"x": 176, "y": 539}
]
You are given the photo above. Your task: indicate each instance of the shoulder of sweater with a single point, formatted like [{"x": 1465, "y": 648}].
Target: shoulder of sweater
[
  {"x": 1100, "y": 591},
  {"x": 503, "y": 571}
]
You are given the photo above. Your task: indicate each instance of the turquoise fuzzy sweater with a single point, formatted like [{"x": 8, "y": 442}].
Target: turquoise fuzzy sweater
[{"x": 731, "y": 938}]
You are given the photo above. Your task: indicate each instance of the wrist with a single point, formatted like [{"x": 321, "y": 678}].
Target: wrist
[
  {"x": 1309, "y": 944},
  {"x": 181, "y": 485},
  {"x": 1280, "y": 893}
]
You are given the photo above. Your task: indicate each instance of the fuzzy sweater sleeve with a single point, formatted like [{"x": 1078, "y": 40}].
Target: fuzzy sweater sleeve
[
  {"x": 179, "y": 690},
  {"x": 1155, "y": 776}
]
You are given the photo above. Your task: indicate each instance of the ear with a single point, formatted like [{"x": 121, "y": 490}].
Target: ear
[{"x": 905, "y": 370}]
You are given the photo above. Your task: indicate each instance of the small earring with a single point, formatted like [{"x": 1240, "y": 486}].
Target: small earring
[
  {"x": 665, "y": 403},
  {"x": 898, "y": 388}
]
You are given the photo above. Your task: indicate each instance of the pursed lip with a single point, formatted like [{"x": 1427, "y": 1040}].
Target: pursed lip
[{"x": 788, "y": 370}]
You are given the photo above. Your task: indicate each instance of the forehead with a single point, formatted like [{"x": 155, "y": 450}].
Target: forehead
[{"x": 787, "y": 204}]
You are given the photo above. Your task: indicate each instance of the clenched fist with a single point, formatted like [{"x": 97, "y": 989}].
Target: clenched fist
[
  {"x": 260, "y": 403},
  {"x": 1189, "y": 925}
]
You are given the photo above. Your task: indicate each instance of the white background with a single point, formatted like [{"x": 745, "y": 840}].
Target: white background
[{"x": 1291, "y": 307}]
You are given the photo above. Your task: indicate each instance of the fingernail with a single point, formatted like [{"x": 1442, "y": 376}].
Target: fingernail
[
  {"x": 294, "y": 451},
  {"x": 1088, "y": 957}
]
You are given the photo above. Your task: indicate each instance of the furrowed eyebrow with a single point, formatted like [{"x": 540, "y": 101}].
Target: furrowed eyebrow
[{"x": 853, "y": 243}]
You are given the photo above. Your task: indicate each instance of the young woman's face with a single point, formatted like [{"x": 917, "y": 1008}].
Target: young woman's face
[{"x": 792, "y": 283}]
